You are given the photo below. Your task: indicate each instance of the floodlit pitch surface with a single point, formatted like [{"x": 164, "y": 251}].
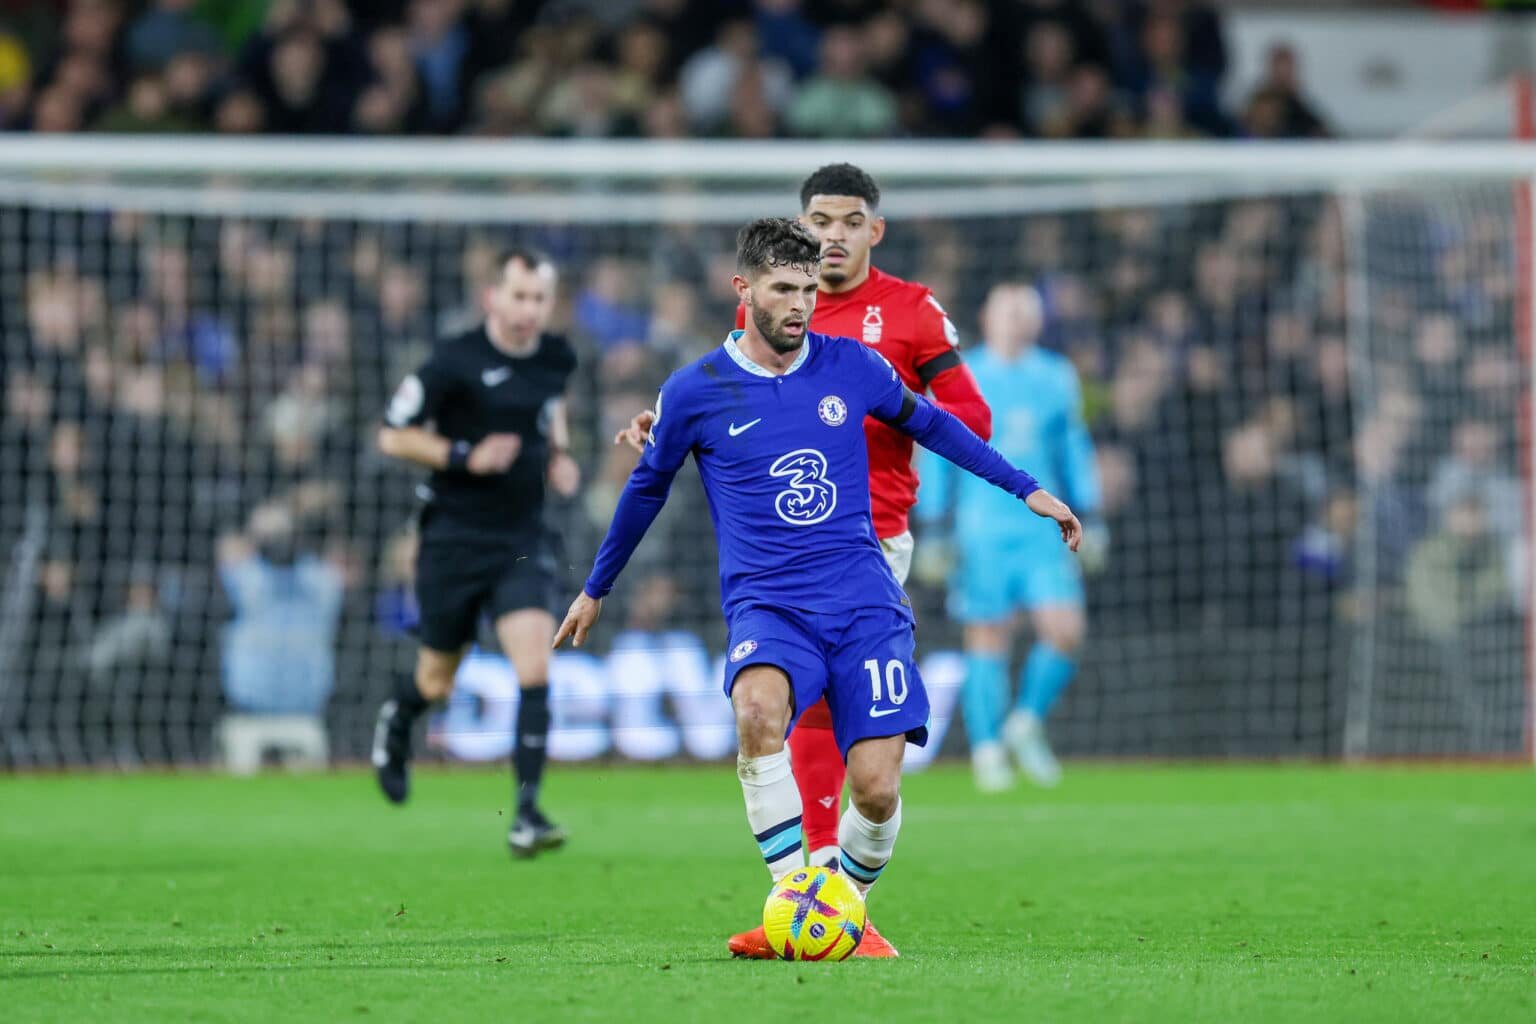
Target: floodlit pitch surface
[{"x": 1132, "y": 893}]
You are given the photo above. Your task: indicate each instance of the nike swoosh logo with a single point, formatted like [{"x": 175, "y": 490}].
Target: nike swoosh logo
[
  {"x": 881, "y": 713},
  {"x": 734, "y": 430},
  {"x": 490, "y": 378}
]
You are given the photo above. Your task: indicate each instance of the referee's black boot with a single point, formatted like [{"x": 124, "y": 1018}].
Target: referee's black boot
[
  {"x": 532, "y": 832},
  {"x": 392, "y": 753}
]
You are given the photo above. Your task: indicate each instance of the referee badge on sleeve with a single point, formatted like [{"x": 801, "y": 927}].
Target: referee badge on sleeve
[{"x": 407, "y": 402}]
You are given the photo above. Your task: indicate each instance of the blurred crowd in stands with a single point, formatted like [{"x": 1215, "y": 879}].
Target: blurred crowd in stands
[
  {"x": 190, "y": 404},
  {"x": 1056, "y": 69},
  {"x": 1294, "y": 486}
]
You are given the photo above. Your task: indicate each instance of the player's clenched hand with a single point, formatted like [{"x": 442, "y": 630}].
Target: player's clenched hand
[
  {"x": 494, "y": 454},
  {"x": 638, "y": 431},
  {"x": 1048, "y": 506},
  {"x": 579, "y": 619}
]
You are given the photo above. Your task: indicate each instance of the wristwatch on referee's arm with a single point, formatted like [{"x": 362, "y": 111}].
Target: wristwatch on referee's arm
[{"x": 458, "y": 456}]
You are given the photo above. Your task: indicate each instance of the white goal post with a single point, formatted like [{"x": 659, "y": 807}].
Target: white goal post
[
  {"x": 1312, "y": 162},
  {"x": 1308, "y": 367}
]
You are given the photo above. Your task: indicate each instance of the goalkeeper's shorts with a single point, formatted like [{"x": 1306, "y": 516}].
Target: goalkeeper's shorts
[{"x": 996, "y": 579}]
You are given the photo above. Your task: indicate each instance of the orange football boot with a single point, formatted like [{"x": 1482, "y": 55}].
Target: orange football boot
[
  {"x": 752, "y": 945},
  {"x": 874, "y": 944}
]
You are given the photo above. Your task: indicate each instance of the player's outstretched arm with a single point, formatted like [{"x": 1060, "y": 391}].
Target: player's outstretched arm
[
  {"x": 955, "y": 391},
  {"x": 644, "y": 494},
  {"x": 943, "y": 434},
  {"x": 639, "y": 504}
]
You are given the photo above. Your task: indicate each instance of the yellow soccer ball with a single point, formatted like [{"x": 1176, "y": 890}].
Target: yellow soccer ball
[{"x": 814, "y": 914}]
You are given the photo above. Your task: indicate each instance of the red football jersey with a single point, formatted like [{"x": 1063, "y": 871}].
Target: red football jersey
[{"x": 904, "y": 323}]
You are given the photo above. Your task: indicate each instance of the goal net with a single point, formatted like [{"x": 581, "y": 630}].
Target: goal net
[{"x": 1306, "y": 370}]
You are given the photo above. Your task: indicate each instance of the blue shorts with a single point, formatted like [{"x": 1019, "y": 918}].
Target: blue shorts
[
  {"x": 861, "y": 661},
  {"x": 997, "y": 578}
]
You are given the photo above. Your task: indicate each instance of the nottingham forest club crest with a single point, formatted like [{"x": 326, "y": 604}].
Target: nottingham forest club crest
[
  {"x": 874, "y": 325},
  {"x": 832, "y": 410}
]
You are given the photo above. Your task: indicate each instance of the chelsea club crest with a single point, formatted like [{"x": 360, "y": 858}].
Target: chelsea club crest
[{"x": 833, "y": 411}]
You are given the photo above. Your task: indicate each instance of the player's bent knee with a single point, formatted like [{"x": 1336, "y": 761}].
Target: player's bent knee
[
  {"x": 760, "y": 698},
  {"x": 1068, "y": 643},
  {"x": 762, "y": 687},
  {"x": 760, "y": 727},
  {"x": 758, "y": 738},
  {"x": 876, "y": 798},
  {"x": 874, "y": 776},
  {"x": 1061, "y": 628},
  {"x": 987, "y": 638}
]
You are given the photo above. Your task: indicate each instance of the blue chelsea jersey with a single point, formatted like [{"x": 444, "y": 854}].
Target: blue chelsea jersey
[{"x": 784, "y": 466}]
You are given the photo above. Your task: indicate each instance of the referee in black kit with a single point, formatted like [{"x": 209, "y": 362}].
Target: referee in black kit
[{"x": 486, "y": 414}]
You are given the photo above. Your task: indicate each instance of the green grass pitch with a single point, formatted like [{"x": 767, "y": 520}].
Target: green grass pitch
[{"x": 1132, "y": 893}]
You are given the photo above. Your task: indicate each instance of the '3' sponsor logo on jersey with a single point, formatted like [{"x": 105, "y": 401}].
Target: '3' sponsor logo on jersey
[{"x": 809, "y": 497}]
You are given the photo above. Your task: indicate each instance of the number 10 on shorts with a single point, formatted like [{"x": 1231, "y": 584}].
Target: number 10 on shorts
[{"x": 895, "y": 680}]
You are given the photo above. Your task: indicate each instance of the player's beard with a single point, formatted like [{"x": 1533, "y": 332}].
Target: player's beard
[
  {"x": 833, "y": 275},
  {"x": 836, "y": 275},
  {"x": 778, "y": 341}
]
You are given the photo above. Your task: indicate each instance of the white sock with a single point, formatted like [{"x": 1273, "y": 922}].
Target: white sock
[
  {"x": 866, "y": 845},
  {"x": 773, "y": 810},
  {"x": 824, "y": 856}
]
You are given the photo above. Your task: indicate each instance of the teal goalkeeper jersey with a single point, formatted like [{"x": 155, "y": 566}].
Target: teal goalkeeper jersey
[{"x": 1037, "y": 421}]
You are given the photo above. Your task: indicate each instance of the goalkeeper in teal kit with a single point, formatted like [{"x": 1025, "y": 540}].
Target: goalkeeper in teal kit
[{"x": 1007, "y": 562}]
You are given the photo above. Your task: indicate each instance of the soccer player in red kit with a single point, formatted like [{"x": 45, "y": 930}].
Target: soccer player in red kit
[{"x": 904, "y": 323}]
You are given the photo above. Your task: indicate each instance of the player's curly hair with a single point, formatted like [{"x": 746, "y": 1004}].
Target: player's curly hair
[
  {"x": 840, "y": 180},
  {"x": 774, "y": 242}
]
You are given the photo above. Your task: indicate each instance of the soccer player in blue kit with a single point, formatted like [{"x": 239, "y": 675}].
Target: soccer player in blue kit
[{"x": 774, "y": 420}]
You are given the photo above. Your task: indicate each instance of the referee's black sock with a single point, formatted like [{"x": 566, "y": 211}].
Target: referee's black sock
[
  {"x": 532, "y": 745},
  {"x": 409, "y": 702},
  {"x": 392, "y": 748}
]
